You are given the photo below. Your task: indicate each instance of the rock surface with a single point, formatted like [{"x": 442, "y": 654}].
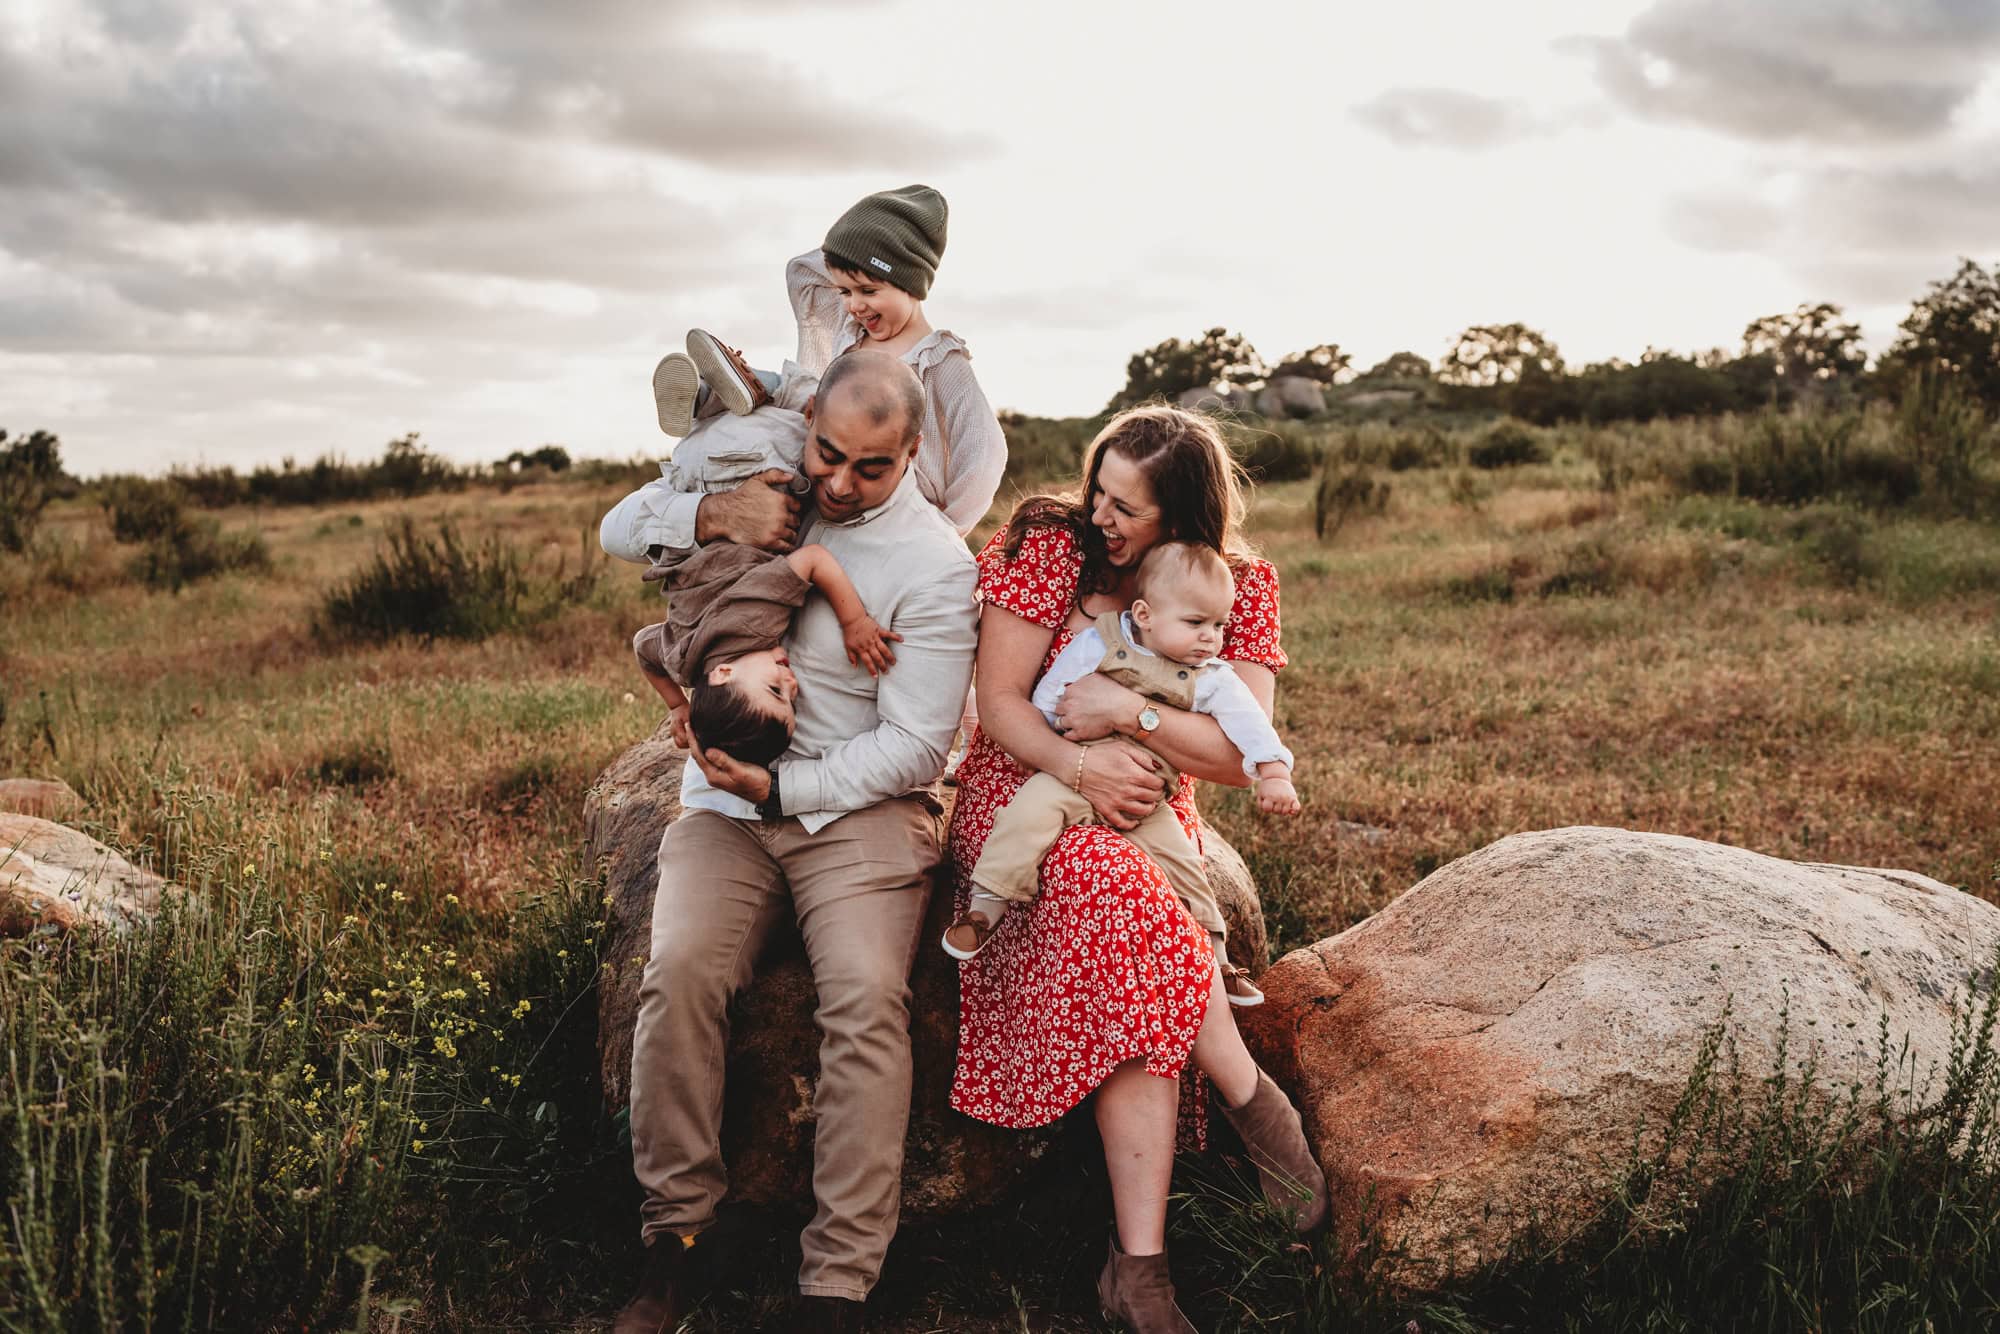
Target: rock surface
[
  {"x": 1291, "y": 396},
  {"x": 953, "y": 1162},
  {"x": 53, "y": 876},
  {"x": 1488, "y": 1045},
  {"x": 50, "y": 798},
  {"x": 1217, "y": 398}
]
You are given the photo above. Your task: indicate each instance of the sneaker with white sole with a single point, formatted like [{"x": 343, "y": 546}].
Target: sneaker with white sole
[
  {"x": 1237, "y": 986},
  {"x": 967, "y": 935},
  {"x": 676, "y": 386},
  {"x": 729, "y": 376}
]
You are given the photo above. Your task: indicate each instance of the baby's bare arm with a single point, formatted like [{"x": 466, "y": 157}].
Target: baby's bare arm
[{"x": 816, "y": 565}]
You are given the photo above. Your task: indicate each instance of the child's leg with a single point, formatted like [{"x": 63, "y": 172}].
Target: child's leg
[
  {"x": 1161, "y": 837},
  {"x": 1010, "y": 863}
]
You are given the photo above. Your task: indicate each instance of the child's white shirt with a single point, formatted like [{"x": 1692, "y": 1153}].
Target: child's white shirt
[{"x": 1218, "y": 692}]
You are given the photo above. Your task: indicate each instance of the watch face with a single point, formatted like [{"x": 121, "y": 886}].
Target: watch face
[{"x": 1149, "y": 718}]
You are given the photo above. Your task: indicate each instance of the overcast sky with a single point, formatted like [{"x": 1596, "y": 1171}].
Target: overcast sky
[{"x": 234, "y": 232}]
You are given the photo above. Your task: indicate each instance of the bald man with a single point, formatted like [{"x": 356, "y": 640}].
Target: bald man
[{"x": 845, "y": 827}]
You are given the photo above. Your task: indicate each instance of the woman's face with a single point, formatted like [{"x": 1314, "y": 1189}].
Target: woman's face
[
  {"x": 1125, "y": 510},
  {"x": 881, "y": 308}
]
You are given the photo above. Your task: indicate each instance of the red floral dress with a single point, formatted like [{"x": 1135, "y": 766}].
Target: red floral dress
[{"x": 1107, "y": 966}]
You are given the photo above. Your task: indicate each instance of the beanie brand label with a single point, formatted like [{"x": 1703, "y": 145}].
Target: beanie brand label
[{"x": 880, "y": 264}]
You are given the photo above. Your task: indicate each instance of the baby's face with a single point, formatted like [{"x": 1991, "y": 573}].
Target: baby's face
[
  {"x": 877, "y": 305},
  {"x": 1185, "y": 616},
  {"x": 764, "y": 678}
]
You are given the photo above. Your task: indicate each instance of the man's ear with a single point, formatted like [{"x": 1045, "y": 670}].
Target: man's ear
[
  {"x": 916, "y": 444},
  {"x": 811, "y": 403}
]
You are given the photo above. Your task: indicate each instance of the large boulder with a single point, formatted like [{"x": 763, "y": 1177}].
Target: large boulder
[
  {"x": 52, "y": 877},
  {"x": 50, "y": 798},
  {"x": 1291, "y": 396},
  {"x": 953, "y": 1162},
  {"x": 1486, "y": 1051}
]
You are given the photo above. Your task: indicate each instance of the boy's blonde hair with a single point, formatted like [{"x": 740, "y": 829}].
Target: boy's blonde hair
[{"x": 1173, "y": 560}]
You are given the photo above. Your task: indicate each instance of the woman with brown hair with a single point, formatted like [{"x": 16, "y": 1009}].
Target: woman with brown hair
[{"x": 1106, "y": 985}]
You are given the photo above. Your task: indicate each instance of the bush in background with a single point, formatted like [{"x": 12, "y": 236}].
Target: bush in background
[
  {"x": 30, "y": 469},
  {"x": 1278, "y": 451},
  {"x": 1507, "y": 444}
]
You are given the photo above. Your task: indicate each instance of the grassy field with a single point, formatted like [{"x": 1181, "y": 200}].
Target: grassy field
[{"x": 396, "y": 1080}]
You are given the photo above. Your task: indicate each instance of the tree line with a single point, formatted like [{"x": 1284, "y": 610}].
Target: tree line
[{"x": 1810, "y": 354}]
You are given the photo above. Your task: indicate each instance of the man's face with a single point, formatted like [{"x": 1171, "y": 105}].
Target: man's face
[{"x": 853, "y": 461}]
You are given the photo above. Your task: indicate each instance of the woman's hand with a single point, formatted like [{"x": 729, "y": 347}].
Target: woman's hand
[
  {"x": 1122, "y": 783},
  {"x": 1095, "y": 706}
]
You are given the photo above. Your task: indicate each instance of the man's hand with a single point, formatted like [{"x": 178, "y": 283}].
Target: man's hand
[
  {"x": 1095, "y": 706},
  {"x": 726, "y": 773},
  {"x": 760, "y": 513}
]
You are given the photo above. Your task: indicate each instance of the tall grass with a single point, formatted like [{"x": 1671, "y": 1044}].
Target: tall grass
[
  {"x": 437, "y": 586},
  {"x": 221, "y": 1120}
]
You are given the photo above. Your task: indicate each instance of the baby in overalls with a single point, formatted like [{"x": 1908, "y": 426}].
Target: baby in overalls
[{"x": 1165, "y": 649}]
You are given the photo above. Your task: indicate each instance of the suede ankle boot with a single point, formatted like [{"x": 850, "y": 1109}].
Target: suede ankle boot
[
  {"x": 1269, "y": 1127},
  {"x": 1138, "y": 1290}
]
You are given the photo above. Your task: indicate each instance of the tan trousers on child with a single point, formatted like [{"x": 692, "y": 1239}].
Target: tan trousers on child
[{"x": 1009, "y": 865}]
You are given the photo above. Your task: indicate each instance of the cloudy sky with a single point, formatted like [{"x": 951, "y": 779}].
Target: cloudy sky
[{"x": 231, "y": 232}]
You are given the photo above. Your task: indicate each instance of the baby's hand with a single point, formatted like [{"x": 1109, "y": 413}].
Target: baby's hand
[
  {"x": 868, "y": 644},
  {"x": 1277, "y": 796}
]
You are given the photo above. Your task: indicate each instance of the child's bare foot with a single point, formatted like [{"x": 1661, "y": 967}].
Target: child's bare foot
[
  {"x": 676, "y": 385},
  {"x": 729, "y": 376},
  {"x": 1237, "y": 986}
]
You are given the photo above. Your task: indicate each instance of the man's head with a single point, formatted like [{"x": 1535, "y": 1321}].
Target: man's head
[
  {"x": 1185, "y": 593},
  {"x": 744, "y": 706},
  {"x": 862, "y": 430}
]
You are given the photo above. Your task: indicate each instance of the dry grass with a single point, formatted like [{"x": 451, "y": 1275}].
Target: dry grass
[{"x": 1531, "y": 652}]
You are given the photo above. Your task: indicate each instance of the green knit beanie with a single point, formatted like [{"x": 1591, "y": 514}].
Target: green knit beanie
[{"x": 898, "y": 234}]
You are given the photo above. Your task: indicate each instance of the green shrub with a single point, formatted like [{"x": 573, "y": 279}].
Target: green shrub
[
  {"x": 196, "y": 549},
  {"x": 434, "y": 586},
  {"x": 354, "y": 764},
  {"x": 1344, "y": 492},
  {"x": 1427, "y": 448},
  {"x": 1045, "y": 448},
  {"x": 1945, "y": 435},
  {"x": 1275, "y": 452},
  {"x": 142, "y": 509},
  {"x": 1507, "y": 444},
  {"x": 30, "y": 473}
]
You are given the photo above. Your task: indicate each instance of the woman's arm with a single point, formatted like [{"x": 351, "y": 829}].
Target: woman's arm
[
  {"x": 1119, "y": 780},
  {"x": 1192, "y": 742}
]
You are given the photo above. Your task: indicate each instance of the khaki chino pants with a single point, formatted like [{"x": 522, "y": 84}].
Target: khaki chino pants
[{"x": 859, "y": 888}]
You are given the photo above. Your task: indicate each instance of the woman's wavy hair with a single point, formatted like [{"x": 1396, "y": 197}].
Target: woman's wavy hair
[{"x": 1195, "y": 479}]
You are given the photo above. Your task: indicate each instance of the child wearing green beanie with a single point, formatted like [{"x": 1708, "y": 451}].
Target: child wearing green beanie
[{"x": 863, "y": 287}]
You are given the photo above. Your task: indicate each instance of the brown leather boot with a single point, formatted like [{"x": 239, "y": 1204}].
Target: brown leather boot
[
  {"x": 1269, "y": 1127},
  {"x": 662, "y": 1301},
  {"x": 1138, "y": 1290}
]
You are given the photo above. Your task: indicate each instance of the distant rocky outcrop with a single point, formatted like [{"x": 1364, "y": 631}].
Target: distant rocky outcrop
[
  {"x": 1291, "y": 396},
  {"x": 52, "y": 877},
  {"x": 1217, "y": 398},
  {"x": 953, "y": 1162},
  {"x": 1487, "y": 1048}
]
